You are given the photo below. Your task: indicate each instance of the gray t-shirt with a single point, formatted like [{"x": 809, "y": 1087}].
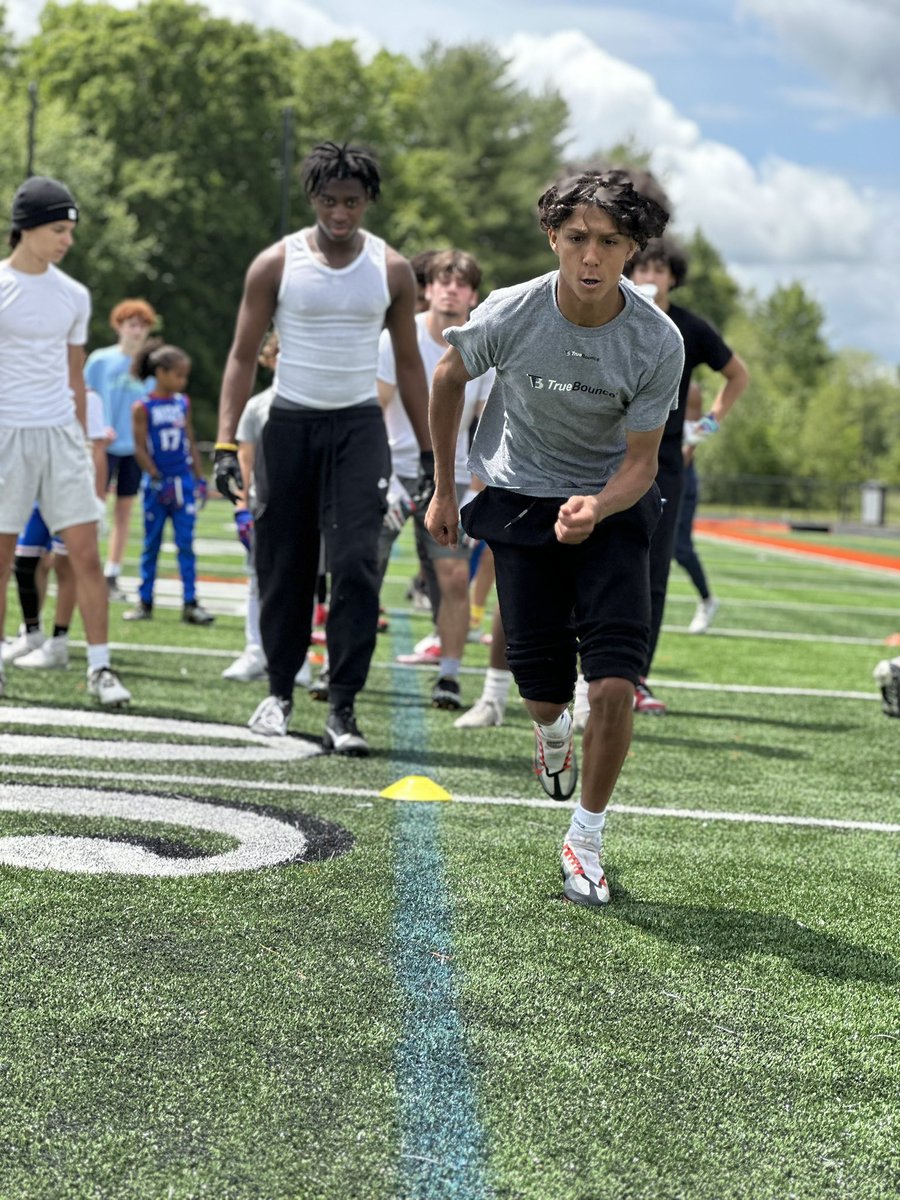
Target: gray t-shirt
[{"x": 565, "y": 396}]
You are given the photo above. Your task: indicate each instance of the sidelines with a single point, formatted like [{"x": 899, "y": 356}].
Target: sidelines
[
  {"x": 316, "y": 789},
  {"x": 823, "y": 693}
]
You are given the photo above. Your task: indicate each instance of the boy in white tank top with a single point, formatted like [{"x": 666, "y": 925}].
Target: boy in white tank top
[{"x": 323, "y": 465}]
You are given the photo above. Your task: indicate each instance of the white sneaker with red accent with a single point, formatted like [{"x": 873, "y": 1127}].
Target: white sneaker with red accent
[
  {"x": 583, "y": 879},
  {"x": 426, "y": 653},
  {"x": 555, "y": 763},
  {"x": 645, "y": 702}
]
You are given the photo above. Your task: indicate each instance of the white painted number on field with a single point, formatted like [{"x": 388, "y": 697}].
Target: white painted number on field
[{"x": 263, "y": 841}]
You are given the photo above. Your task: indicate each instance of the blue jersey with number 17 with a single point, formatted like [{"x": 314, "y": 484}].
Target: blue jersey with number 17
[{"x": 167, "y": 440}]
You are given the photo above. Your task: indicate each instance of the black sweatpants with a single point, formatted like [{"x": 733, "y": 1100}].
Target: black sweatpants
[
  {"x": 320, "y": 473},
  {"x": 670, "y": 481}
]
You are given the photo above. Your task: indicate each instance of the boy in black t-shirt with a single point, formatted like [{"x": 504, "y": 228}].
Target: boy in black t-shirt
[{"x": 663, "y": 264}]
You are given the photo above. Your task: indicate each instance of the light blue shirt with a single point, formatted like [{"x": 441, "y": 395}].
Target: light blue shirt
[{"x": 108, "y": 372}]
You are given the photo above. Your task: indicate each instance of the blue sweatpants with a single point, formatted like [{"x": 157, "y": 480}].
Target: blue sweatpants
[{"x": 183, "y": 519}]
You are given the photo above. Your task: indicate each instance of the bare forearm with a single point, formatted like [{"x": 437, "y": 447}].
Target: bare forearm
[
  {"x": 237, "y": 384},
  {"x": 444, "y": 414},
  {"x": 626, "y": 486},
  {"x": 145, "y": 462}
]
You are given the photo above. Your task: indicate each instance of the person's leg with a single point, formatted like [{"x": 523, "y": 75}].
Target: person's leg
[
  {"x": 127, "y": 479},
  {"x": 7, "y": 553},
  {"x": 184, "y": 520},
  {"x": 452, "y": 626},
  {"x": 154, "y": 524},
  {"x": 685, "y": 552},
  {"x": 354, "y": 507},
  {"x": 669, "y": 479},
  {"x": 490, "y": 708},
  {"x": 93, "y": 602},
  {"x": 286, "y": 542}
]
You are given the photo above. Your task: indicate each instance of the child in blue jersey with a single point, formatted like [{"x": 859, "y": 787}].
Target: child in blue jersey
[{"x": 172, "y": 486}]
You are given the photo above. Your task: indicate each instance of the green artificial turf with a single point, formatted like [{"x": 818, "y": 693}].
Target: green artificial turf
[{"x": 421, "y": 1016}]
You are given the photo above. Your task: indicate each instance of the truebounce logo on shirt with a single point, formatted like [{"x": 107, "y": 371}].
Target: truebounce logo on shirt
[{"x": 540, "y": 384}]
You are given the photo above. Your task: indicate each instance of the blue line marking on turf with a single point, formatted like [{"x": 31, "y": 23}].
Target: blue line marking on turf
[{"x": 442, "y": 1150}]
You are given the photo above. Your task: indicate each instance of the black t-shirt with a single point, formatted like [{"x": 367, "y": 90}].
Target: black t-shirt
[{"x": 702, "y": 345}]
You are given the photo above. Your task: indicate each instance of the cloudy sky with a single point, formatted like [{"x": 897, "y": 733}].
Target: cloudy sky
[{"x": 774, "y": 123}]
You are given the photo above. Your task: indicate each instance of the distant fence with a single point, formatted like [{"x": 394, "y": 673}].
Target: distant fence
[{"x": 796, "y": 499}]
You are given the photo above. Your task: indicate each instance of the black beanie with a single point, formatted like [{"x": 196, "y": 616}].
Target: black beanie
[{"x": 41, "y": 200}]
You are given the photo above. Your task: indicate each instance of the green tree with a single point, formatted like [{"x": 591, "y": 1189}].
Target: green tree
[{"x": 709, "y": 290}]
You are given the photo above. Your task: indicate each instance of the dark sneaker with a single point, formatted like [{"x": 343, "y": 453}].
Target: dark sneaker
[
  {"x": 445, "y": 693},
  {"x": 318, "y": 689},
  {"x": 113, "y": 590},
  {"x": 196, "y": 614},
  {"x": 140, "y": 612},
  {"x": 342, "y": 734}
]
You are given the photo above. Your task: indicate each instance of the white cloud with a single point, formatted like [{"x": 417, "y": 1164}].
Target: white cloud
[
  {"x": 853, "y": 43},
  {"x": 774, "y": 223}
]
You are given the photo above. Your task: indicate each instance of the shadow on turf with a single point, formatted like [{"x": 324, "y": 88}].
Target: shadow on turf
[
  {"x": 755, "y": 719},
  {"x": 730, "y": 934}
]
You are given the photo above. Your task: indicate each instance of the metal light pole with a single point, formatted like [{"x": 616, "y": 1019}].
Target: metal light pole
[
  {"x": 32, "y": 115},
  {"x": 287, "y": 153}
]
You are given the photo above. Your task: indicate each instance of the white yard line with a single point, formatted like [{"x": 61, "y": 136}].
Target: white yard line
[{"x": 368, "y": 794}]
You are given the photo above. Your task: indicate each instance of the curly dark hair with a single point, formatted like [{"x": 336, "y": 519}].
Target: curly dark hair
[
  {"x": 663, "y": 250},
  {"x": 635, "y": 214},
  {"x": 329, "y": 161}
]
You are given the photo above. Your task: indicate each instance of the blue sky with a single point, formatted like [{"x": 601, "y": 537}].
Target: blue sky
[{"x": 774, "y": 123}]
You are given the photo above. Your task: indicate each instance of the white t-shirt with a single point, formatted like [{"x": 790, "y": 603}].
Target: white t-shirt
[
  {"x": 96, "y": 424},
  {"x": 40, "y": 317},
  {"x": 402, "y": 440}
]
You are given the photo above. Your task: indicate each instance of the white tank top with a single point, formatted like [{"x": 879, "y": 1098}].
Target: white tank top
[{"x": 328, "y": 323}]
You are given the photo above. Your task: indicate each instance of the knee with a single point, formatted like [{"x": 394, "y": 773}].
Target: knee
[{"x": 611, "y": 699}]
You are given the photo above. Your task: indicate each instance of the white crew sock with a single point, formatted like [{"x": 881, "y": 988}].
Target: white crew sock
[
  {"x": 559, "y": 729},
  {"x": 586, "y": 824},
  {"x": 112, "y": 570},
  {"x": 449, "y": 668},
  {"x": 496, "y": 686},
  {"x": 97, "y": 657}
]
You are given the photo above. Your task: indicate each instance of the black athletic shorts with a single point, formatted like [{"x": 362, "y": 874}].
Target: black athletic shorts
[
  {"x": 559, "y": 602},
  {"x": 124, "y": 469}
]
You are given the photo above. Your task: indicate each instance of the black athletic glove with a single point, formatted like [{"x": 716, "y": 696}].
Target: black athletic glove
[
  {"x": 228, "y": 471},
  {"x": 424, "y": 490}
]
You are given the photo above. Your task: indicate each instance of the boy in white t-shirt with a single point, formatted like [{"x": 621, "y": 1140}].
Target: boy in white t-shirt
[
  {"x": 453, "y": 278},
  {"x": 43, "y": 330}
]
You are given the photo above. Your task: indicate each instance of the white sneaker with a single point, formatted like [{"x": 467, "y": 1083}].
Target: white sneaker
[
  {"x": 583, "y": 879},
  {"x": 271, "y": 717},
  {"x": 52, "y": 656},
  {"x": 249, "y": 667},
  {"x": 555, "y": 763},
  {"x": 105, "y": 685},
  {"x": 484, "y": 714},
  {"x": 582, "y": 707},
  {"x": 21, "y": 645},
  {"x": 703, "y": 615}
]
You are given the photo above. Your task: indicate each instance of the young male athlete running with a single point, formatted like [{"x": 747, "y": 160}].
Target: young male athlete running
[
  {"x": 324, "y": 464},
  {"x": 43, "y": 329},
  {"x": 587, "y": 371}
]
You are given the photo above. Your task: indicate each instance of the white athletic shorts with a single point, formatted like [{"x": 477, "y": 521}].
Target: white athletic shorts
[{"x": 51, "y": 467}]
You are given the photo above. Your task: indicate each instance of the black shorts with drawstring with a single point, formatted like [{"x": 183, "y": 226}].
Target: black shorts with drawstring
[{"x": 559, "y": 602}]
